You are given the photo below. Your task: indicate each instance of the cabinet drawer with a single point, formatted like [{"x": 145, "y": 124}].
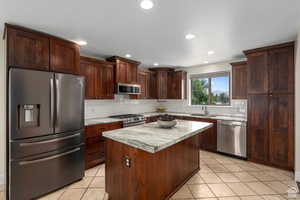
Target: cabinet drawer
[
  {"x": 95, "y": 144},
  {"x": 95, "y": 130}
]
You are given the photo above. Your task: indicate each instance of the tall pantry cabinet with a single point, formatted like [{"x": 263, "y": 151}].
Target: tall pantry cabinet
[{"x": 271, "y": 105}]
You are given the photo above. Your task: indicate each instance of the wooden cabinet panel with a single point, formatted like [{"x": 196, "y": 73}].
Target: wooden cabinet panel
[
  {"x": 143, "y": 80},
  {"x": 99, "y": 78},
  {"x": 162, "y": 85},
  {"x": 258, "y": 73},
  {"x": 107, "y": 81},
  {"x": 281, "y": 70},
  {"x": 126, "y": 70},
  {"x": 153, "y": 86},
  {"x": 95, "y": 142},
  {"x": 208, "y": 139},
  {"x": 88, "y": 70},
  {"x": 27, "y": 49},
  {"x": 179, "y": 85},
  {"x": 64, "y": 56},
  {"x": 258, "y": 132},
  {"x": 281, "y": 124},
  {"x": 239, "y": 80}
]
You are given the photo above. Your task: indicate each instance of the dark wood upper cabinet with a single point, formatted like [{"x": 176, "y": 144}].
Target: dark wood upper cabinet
[
  {"x": 162, "y": 84},
  {"x": 35, "y": 50},
  {"x": 99, "y": 78},
  {"x": 64, "y": 56},
  {"x": 258, "y": 73},
  {"x": 27, "y": 49},
  {"x": 281, "y": 125},
  {"x": 126, "y": 70},
  {"x": 179, "y": 85},
  {"x": 144, "y": 81},
  {"x": 107, "y": 81},
  {"x": 281, "y": 70},
  {"x": 88, "y": 70},
  {"x": 153, "y": 85},
  {"x": 239, "y": 80}
]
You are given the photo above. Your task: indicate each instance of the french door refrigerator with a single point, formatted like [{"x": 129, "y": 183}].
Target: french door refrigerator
[{"x": 46, "y": 132}]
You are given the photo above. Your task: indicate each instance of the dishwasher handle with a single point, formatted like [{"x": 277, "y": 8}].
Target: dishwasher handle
[{"x": 231, "y": 123}]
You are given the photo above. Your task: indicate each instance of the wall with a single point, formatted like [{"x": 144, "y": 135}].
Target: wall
[
  {"x": 121, "y": 105},
  {"x": 2, "y": 110},
  {"x": 297, "y": 111},
  {"x": 238, "y": 107}
]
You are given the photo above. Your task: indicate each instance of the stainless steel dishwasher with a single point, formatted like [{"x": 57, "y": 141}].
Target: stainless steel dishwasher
[{"x": 232, "y": 138}]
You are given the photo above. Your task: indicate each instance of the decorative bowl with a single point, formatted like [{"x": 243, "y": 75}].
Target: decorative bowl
[{"x": 166, "y": 121}]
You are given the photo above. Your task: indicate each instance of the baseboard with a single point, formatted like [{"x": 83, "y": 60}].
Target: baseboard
[{"x": 297, "y": 176}]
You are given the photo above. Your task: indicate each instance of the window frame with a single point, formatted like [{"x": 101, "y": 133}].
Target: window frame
[{"x": 210, "y": 76}]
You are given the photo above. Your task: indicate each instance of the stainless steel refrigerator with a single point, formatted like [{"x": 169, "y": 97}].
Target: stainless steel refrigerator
[{"x": 46, "y": 132}]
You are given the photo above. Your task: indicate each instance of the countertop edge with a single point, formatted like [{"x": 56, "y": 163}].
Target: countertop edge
[{"x": 155, "y": 149}]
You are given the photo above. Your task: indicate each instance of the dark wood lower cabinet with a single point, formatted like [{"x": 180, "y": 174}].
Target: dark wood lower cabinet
[
  {"x": 208, "y": 139},
  {"x": 95, "y": 143},
  {"x": 281, "y": 130},
  {"x": 151, "y": 176}
]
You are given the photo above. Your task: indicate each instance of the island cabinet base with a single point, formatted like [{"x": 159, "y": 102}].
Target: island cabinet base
[{"x": 134, "y": 174}]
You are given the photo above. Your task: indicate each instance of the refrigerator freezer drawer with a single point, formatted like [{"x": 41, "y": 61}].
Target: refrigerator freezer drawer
[
  {"x": 29, "y": 147},
  {"x": 41, "y": 175}
]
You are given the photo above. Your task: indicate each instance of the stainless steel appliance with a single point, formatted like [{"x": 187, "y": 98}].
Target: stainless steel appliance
[
  {"x": 46, "y": 135},
  {"x": 130, "y": 119},
  {"x": 128, "y": 89},
  {"x": 232, "y": 138}
]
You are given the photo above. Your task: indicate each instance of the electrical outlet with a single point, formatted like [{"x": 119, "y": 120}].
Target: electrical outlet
[{"x": 127, "y": 161}]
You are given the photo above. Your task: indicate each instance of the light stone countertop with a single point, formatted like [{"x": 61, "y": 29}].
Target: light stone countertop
[
  {"x": 94, "y": 121},
  {"x": 151, "y": 138},
  {"x": 216, "y": 117}
]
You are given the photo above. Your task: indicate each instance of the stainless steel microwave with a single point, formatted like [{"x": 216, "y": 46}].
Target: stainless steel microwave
[{"x": 128, "y": 88}]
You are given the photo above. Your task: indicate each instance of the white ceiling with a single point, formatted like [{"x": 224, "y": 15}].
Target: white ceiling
[{"x": 117, "y": 27}]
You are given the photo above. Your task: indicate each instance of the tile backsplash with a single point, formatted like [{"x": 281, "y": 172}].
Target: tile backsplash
[
  {"x": 237, "y": 108},
  {"x": 123, "y": 105},
  {"x": 120, "y": 105}
]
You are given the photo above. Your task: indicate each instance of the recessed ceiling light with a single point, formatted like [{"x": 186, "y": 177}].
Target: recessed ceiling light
[
  {"x": 81, "y": 42},
  {"x": 155, "y": 64},
  {"x": 189, "y": 36},
  {"x": 146, "y": 4},
  {"x": 210, "y": 52},
  {"x": 205, "y": 62},
  {"x": 128, "y": 56}
]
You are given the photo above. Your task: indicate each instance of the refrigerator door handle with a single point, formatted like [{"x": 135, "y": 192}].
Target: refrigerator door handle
[
  {"x": 49, "y": 141},
  {"x": 57, "y": 101},
  {"x": 48, "y": 158},
  {"x": 51, "y": 102}
]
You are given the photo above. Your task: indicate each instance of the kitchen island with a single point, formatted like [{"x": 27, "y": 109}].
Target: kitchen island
[{"x": 146, "y": 162}]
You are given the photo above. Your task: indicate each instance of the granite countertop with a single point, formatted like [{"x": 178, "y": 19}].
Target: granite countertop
[
  {"x": 94, "y": 121},
  {"x": 151, "y": 138},
  {"x": 216, "y": 117}
]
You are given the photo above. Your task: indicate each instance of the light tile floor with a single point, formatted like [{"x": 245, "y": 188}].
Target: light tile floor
[{"x": 220, "y": 178}]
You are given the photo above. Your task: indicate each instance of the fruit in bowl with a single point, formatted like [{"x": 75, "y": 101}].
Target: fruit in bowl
[{"x": 166, "y": 121}]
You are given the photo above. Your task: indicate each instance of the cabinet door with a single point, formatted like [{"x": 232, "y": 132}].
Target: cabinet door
[
  {"x": 162, "y": 84},
  {"x": 258, "y": 73},
  {"x": 258, "y": 131},
  {"x": 108, "y": 81},
  {"x": 239, "y": 81},
  {"x": 132, "y": 73},
  {"x": 64, "y": 56},
  {"x": 281, "y": 66},
  {"x": 142, "y": 80},
  {"x": 121, "y": 71},
  {"x": 27, "y": 50},
  {"x": 171, "y": 93},
  {"x": 179, "y": 85},
  {"x": 152, "y": 86},
  {"x": 88, "y": 70},
  {"x": 281, "y": 124}
]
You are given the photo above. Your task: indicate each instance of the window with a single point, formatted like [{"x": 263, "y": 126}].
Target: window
[{"x": 210, "y": 89}]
